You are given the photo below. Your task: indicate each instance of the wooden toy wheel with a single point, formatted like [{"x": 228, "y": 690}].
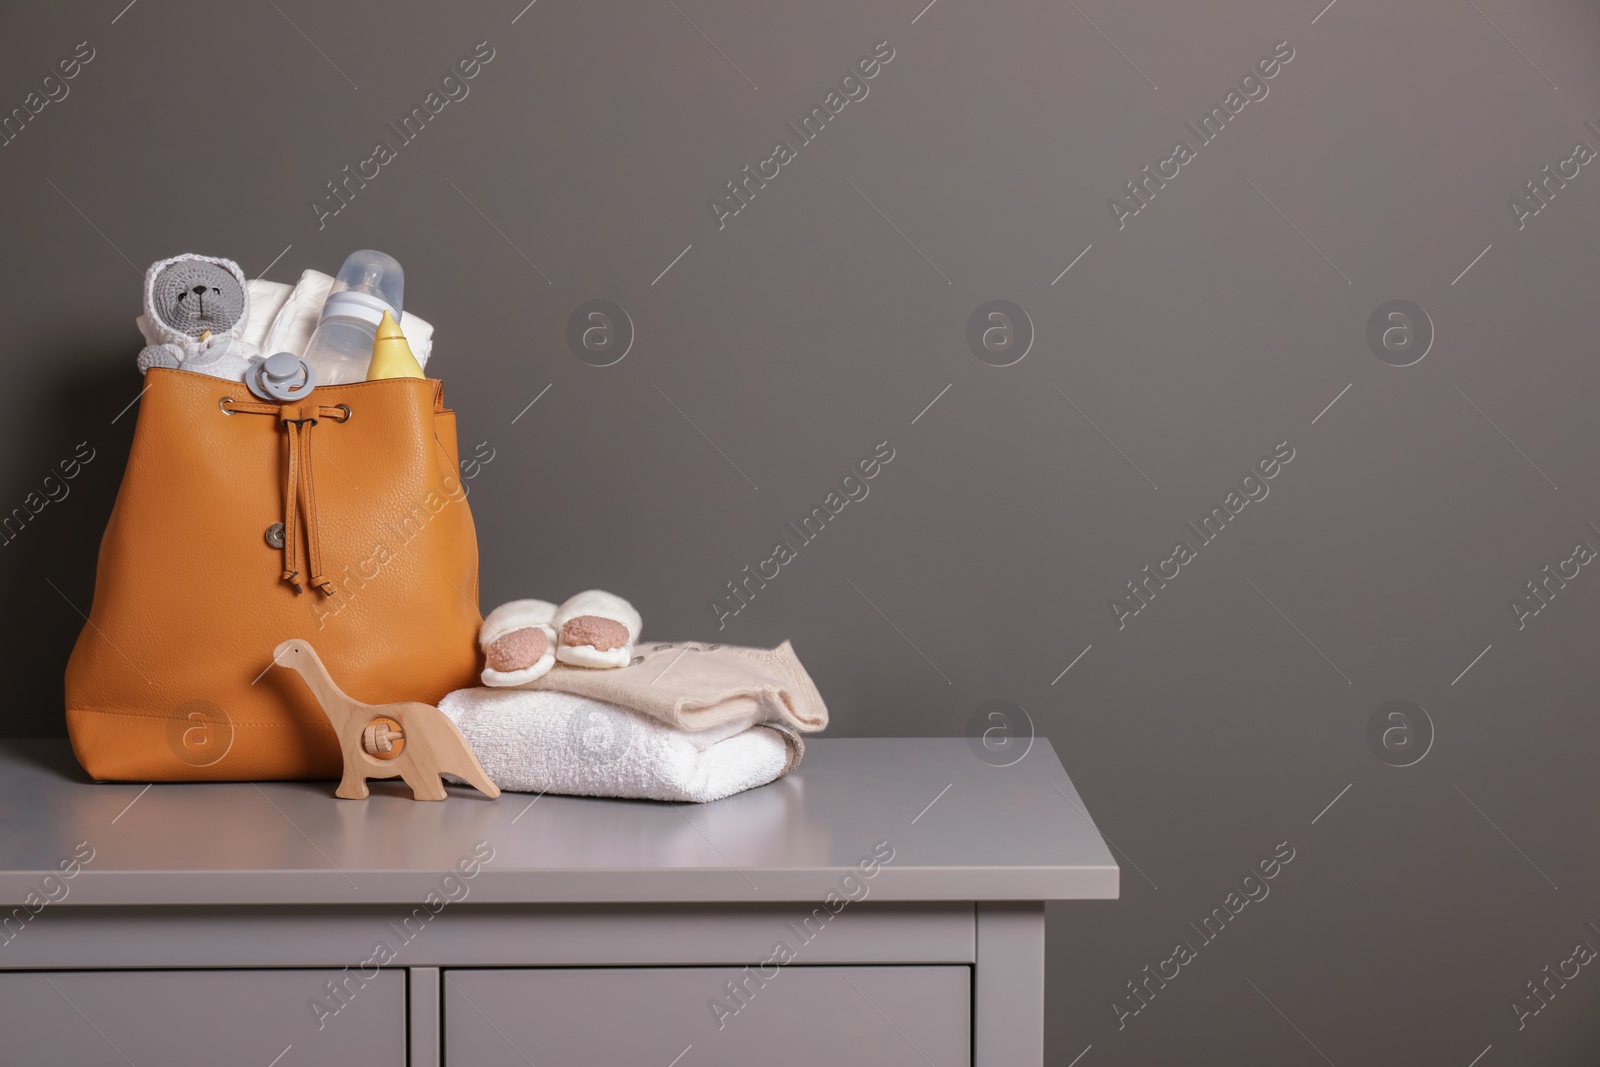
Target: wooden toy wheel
[{"x": 383, "y": 738}]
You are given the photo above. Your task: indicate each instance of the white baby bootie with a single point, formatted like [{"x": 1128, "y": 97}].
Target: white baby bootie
[
  {"x": 596, "y": 629},
  {"x": 519, "y": 642}
]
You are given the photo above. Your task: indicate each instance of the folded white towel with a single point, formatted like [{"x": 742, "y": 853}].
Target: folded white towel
[{"x": 536, "y": 741}]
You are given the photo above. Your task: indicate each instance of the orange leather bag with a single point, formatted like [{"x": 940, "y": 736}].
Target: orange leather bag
[{"x": 222, "y": 544}]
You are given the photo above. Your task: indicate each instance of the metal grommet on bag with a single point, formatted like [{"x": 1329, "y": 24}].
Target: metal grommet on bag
[
  {"x": 275, "y": 535},
  {"x": 222, "y": 405},
  {"x": 347, "y": 412},
  {"x": 281, "y": 376}
]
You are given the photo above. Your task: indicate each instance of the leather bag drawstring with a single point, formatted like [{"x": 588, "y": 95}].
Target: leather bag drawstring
[{"x": 299, "y": 489}]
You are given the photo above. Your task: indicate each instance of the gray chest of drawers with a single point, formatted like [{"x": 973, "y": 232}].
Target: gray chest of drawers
[{"x": 884, "y": 905}]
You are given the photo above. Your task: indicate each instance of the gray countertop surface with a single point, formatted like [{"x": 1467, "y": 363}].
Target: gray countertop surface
[{"x": 959, "y": 828}]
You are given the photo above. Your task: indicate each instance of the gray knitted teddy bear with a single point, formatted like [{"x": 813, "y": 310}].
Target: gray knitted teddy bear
[{"x": 195, "y": 308}]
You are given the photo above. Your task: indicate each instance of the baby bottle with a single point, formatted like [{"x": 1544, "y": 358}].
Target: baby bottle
[{"x": 368, "y": 284}]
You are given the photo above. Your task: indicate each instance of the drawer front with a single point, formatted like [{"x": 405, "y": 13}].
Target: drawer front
[
  {"x": 834, "y": 1016},
  {"x": 200, "y": 1018}
]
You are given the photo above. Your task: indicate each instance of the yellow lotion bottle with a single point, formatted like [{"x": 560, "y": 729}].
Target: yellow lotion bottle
[{"x": 391, "y": 355}]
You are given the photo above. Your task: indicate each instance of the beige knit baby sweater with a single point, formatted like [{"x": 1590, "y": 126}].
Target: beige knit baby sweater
[{"x": 693, "y": 686}]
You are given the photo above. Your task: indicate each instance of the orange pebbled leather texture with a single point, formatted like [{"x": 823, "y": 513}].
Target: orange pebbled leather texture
[{"x": 172, "y": 677}]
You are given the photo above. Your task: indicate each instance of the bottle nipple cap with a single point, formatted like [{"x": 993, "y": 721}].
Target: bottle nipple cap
[{"x": 368, "y": 283}]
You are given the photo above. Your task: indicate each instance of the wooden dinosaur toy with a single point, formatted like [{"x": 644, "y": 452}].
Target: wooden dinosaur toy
[{"x": 411, "y": 740}]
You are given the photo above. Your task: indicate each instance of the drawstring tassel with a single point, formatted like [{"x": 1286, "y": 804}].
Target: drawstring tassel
[
  {"x": 291, "y": 513},
  {"x": 299, "y": 490},
  {"x": 308, "y": 504}
]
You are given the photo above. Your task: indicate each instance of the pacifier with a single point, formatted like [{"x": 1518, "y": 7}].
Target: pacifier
[{"x": 281, "y": 376}]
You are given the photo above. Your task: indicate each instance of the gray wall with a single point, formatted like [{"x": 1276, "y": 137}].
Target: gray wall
[{"x": 1177, "y": 352}]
